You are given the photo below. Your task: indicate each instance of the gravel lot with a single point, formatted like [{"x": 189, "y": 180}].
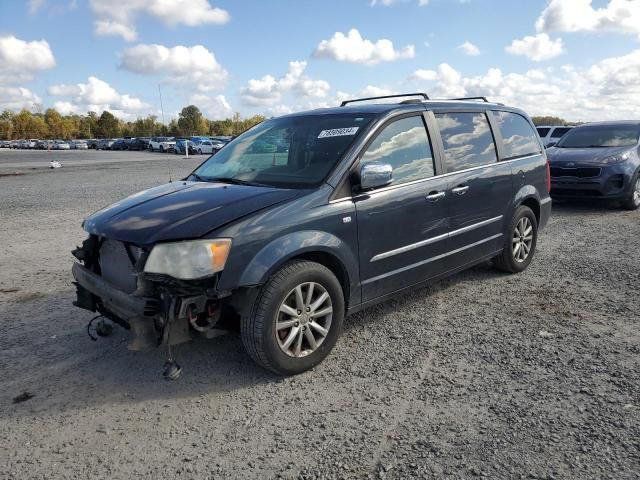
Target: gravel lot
[{"x": 535, "y": 375}]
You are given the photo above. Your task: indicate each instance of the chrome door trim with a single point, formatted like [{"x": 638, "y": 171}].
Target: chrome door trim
[
  {"x": 444, "y": 175},
  {"x": 429, "y": 241},
  {"x": 432, "y": 259}
]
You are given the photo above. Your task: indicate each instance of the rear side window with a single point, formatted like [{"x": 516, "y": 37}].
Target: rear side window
[
  {"x": 518, "y": 136},
  {"x": 467, "y": 138},
  {"x": 403, "y": 144},
  {"x": 543, "y": 131},
  {"x": 559, "y": 132}
]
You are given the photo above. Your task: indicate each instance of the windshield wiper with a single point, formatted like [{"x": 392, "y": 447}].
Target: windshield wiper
[
  {"x": 199, "y": 178},
  {"x": 236, "y": 181}
]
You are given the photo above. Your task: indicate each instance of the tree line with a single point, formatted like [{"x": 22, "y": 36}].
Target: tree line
[{"x": 53, "y": 125}]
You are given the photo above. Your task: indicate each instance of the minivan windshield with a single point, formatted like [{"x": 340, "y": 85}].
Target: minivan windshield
[
  {"x": 289, "y": 152},
  {"x": 599, "y": 136}
]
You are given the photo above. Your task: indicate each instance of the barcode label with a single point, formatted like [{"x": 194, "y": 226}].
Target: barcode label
[{"x": 338, "y": 132}]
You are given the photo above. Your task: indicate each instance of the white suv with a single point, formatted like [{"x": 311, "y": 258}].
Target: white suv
[
  {"x": 162, "y": 144},
  {"x": 550, "y": 134}
]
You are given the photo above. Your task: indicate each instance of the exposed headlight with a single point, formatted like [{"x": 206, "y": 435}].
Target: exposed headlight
[
  {"x": 189, "y": 260},
  {"x": 621, "y": 157}
]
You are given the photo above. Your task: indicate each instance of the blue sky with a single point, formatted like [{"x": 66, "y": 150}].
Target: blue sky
[{"x": 575, "y": 58}]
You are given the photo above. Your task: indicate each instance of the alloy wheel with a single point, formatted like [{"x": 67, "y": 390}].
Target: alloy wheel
[
  {"x": 522, "y": 240},
  {"x": 636, "y": 192},
  {"x": 303, "y": 319}
]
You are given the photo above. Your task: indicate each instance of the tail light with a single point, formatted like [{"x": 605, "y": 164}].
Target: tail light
[{"x": 548, "y": 177}]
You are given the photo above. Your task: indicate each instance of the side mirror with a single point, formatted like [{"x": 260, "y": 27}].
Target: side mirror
[
  {"x": 549, "y": 145},
  {"x": 374, "y": 175}
]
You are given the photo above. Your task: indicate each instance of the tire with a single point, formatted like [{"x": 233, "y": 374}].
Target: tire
[
  {"x": 267, "y": 346},
  {"x": 632, "y": 201},
  {"x": 510, "y": 260},
  {"x": 199, "y": 151},
  {"x": 161, "y": 149}
]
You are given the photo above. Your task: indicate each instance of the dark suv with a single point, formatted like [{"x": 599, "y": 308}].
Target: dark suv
[{"x": 309, "y": 217}]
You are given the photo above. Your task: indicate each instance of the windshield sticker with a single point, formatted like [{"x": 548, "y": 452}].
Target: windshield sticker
[{"x": 338, "y": 132}]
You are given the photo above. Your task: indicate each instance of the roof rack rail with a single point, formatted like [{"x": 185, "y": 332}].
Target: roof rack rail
[
  {"x": 484, "y": 99},
  {"x": 419, "y": 94}
]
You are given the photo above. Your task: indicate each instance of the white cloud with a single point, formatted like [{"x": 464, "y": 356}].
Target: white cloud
[
  {"x": 622, "y": 16},
  {"x": 97, "y": 95},
  {"x": 352, "y": 48},
  {"x": 214, "y": 108},
  {"x": 20, "y": 60},
  {"x": 607, "y": 90},
  {"x": 267, "y": 91},
  {"x": 17, "y": 98},
  {"x": 187, "y": 65},
  {"x": 34, "y": 6},
  {"x": 117, "y": 17},
  {"x": 537, "y": 48},
  {"x": 469, "y": 48}
]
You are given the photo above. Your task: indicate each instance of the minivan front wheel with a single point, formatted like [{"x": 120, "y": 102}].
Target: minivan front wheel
[
  {"x": 632, "y": 202},
  {"x": 296, "y": 319},
  {"x": 520, "y": 242}
]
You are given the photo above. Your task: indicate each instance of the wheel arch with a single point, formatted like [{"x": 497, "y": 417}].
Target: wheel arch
[
  {"x": 321, "y": 247},
  {"x": 529, "y": 197}
]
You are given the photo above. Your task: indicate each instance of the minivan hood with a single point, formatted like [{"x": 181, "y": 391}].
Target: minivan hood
[
  {"x": 181, "y": 210},
  {"x": 589, "y": 156}
]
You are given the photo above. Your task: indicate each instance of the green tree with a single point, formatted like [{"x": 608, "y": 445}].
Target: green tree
[
  {"x": 549, "y": 120},
  {"x": 107, "y": 125},
  {"x": 191, "y": 121}
]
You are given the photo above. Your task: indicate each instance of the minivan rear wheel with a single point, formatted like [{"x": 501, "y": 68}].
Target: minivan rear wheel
[
  {"x": 520, "y": 242},
  {"x": 296, "y": 318}
]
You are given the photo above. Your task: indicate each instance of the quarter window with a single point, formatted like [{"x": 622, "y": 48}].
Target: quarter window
[
  {"x": 518, "y": 137},
  {"x": 467, "y": 139},
  {"x": 543, "y": 131},
  {"x": 404, "y": 144}
]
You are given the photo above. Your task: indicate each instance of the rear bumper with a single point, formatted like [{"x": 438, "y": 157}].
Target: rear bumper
[
  {"x": 611, "y": 182},
  {"x": 545, "y": 212}
]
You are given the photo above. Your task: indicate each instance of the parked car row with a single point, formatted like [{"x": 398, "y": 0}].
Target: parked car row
[{"x": 196, "y": 144}]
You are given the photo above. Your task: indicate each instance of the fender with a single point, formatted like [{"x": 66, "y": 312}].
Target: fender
[
  {"x": 294, "y": 244},
  {"x": 526, "y": 191}
]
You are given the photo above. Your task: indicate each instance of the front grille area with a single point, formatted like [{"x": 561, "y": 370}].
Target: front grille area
[
  {"x": 117, "y": 264},
  {"x": 579, "y": 172}
]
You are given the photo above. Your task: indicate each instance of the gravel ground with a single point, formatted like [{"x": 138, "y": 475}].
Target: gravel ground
[{"x": 484, "y": 374}]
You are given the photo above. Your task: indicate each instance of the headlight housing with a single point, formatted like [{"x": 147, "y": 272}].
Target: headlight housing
[
  {"x": 619, "y": 158},
  {"x": 189, "y": 260}
]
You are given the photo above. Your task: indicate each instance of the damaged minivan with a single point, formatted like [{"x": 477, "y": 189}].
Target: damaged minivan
[{"x": 306, "y": 218}]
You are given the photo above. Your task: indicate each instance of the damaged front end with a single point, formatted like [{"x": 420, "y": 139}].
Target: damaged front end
[{"x": 158, "y": 309}]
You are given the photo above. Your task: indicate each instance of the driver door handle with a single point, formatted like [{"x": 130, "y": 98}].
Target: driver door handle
[
  {"x": 435, "y": 196},
  {"x": 461, "y": 190}
]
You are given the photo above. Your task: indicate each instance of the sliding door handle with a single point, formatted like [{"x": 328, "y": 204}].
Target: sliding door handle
[
  {"x": 435, "y": 196},
  {"x": 460, "y": 190}
]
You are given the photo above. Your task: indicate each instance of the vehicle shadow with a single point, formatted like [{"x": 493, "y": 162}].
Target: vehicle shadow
[
  {"x": 68, "y": 371},
  {"x": 580, "y": 207}
]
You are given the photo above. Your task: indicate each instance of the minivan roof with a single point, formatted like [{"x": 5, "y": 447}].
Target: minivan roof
[{"x": 383, "y": 108}]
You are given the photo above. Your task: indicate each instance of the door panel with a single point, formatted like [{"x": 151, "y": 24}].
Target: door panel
[
  {"x": 478, "y": 201},
  {"x": 401, "y": 234}
]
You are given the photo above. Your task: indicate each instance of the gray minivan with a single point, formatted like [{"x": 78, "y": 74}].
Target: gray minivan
[{"x": 306, "y": 218}]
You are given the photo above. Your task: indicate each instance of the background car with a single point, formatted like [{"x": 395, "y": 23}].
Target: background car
[
  {"x": 105, "y": 144},
  {"x": 92, "y": 143},
  {"x": 598, "y": 161},
  {"x": 162, "y": 144},
  {"x": 79, "y": 145},
  {"x": 208, "y": 146},
  {"x": 139, "y": 144},
  {"x": 181, "y": 146},
  {"x": 61, "y": 145},
  {"x": 550, "y": 134},
  {"x": 120, "y": 144}
]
